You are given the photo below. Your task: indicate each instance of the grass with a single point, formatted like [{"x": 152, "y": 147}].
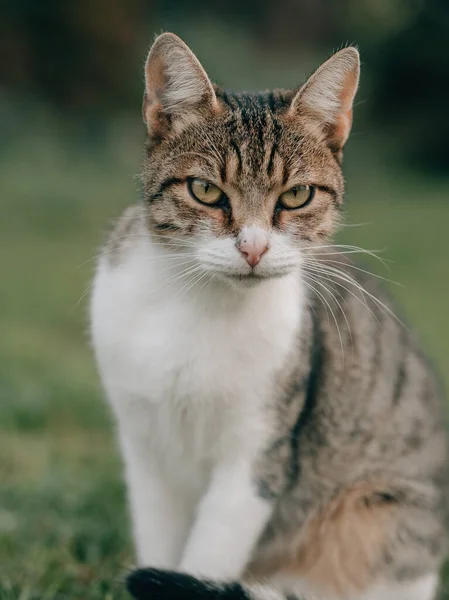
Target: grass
[{"x": 64, "y": 530}]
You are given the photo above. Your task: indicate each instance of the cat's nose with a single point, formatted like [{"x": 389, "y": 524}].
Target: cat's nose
[
  {"x": 252, "y": 243},
  {"x": 252, "y": 254}
]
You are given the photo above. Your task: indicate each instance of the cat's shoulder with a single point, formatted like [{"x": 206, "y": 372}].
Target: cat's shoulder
[{"x": 125, "y": 232}]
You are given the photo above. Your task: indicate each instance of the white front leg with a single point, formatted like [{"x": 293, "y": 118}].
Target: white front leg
[
  {"x": 230, "y": 519},
  {"x": 161, "y": 518}
]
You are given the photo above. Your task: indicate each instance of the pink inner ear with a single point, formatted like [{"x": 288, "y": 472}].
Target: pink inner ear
[
  {"x": 348, "y": 91},
  {"x": 342, "y": 126},
  {"x": 343, "y": 122},
  {"x": 156, "y": 120},
  {"x": 152, "y": 108},
  {"x": 155, "y": 74}
]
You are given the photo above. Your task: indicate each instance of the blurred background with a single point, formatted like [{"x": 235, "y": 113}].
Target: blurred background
[{"x": 71, "y": 83}]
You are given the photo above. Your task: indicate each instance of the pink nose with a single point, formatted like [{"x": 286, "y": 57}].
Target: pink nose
[{"x": 252, "y": 251}]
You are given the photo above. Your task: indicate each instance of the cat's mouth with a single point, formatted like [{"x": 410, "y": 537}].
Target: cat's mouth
[
  {"x": 254, "y": 277},
  {"x": 248, "y": 276}
]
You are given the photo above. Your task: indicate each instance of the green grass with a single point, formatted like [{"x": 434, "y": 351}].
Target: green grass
[
  {"x": 64, "y": 530},
  {"x": 63, "y": 523}
]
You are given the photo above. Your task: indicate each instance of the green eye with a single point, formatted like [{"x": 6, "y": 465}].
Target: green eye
[
  {"x": 297, "y": 196},
  {"x": 204, "y": 192}
]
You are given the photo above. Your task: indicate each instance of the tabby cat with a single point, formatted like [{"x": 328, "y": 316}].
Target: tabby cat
[{"x": 282, "y": 433}]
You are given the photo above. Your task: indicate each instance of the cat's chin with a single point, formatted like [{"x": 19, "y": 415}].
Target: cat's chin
[
  {"x": 245, "y": 282},
  {"x": 251, "y": 280}
]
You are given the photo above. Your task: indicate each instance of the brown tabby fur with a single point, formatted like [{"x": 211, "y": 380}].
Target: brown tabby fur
[{"x": 246, "y": 172}]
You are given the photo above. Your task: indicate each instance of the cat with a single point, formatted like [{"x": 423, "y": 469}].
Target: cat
[{"x": 282, "y": 433}]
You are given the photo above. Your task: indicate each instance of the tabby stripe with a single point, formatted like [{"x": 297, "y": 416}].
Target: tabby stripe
[
  {"x": 270, "y": 165},
  {"x": 236, "y": 149},
  {"x": 224, "y": 169},
  {"x": 239, "y": 101},
  {"x": 245, "y": 118},
  {"x": 229, "y": 100},
  {"x": 285, "y": 173},
  {"x": 400, "y": 378},
  {"x": 224, "y": 96},
  {"x": 261, "y": 135},
  {"x": 312, "y": 386},
  {"x": 330, "y": 191},
  {"x": 167, "y": 227},
  {"x": 377, "y": 358},
  {"x": 169, "y": 182}
]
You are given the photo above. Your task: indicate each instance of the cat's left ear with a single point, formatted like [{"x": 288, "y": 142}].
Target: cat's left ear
[
  {"x": 177, "y": 88},
  {"x": 328, "y": 95}
]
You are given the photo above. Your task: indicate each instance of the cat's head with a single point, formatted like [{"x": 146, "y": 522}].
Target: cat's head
[{"x": 245, "y": 182}]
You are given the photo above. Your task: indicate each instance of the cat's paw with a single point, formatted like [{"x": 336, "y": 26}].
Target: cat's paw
[{"x": 158, "y": 584}]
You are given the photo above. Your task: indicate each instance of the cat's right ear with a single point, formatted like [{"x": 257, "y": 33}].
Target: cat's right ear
[
  {"x": 177, "y": 88},
  {"x": 328, "y": 95}
]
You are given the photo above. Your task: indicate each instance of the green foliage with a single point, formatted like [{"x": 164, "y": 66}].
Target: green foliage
[{"x": 64, "y": 530}]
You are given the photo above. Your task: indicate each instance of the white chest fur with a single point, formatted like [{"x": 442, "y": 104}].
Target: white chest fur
[{"x": 194, "y": 368}]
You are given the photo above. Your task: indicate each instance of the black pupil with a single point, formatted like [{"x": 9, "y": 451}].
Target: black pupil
[
  {"x": 297, "y": 190},
  {"x": 206, "y": 187}
]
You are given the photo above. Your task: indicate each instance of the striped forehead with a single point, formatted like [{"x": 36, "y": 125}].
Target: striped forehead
[{"x": 254, "y": 134}]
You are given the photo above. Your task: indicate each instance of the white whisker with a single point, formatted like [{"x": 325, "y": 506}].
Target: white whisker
[
  {"x": 178, "y": 276},
  {"x": 324, "y": 299},
  {"x": 189, "y": 285},
  {"x": 334, "y": 272},
  {"x": 211, "y": 276},
  {"x": 153, "y": 259},
  {"x": 170, "y": 240},
  {"x": 81, "y": 298},
  {"x": 317, "y": 280},
  {"x": 348, "y": 225},
  {"x": 351, "y": 266},
  {"x": 319, "y": 273},
  {"x": 346, "y": 249}
]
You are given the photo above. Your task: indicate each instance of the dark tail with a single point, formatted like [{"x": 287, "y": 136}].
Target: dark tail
[{"x": 156, "y": 584}]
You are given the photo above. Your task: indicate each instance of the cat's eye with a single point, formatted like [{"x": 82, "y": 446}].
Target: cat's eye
[
  {"x": 297, "y": 196},
  {"x": 204, "y": 192}
]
